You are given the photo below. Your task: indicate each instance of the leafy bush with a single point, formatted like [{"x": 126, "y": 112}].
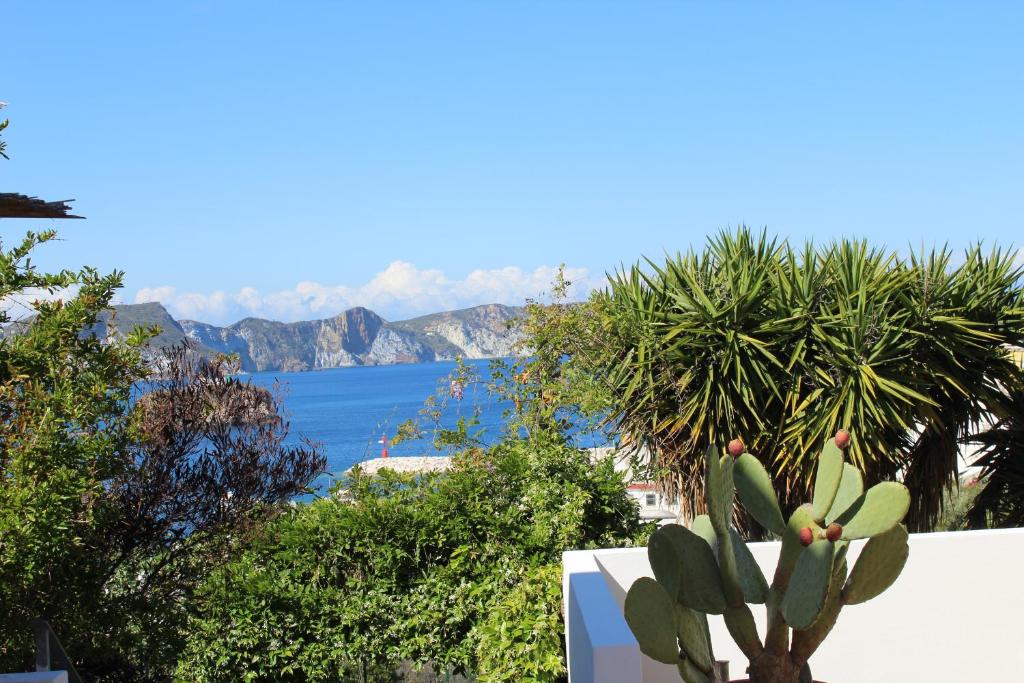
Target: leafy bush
[
  {"x": 111, "y": 512},
  {"x": 398, "y": 567},
  {"x": 521, "y": 638},
  {"x": 66, "y": 429},
  {"x": 208, "y": 467}
]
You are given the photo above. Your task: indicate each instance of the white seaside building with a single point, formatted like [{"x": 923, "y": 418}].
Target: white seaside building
[{"x": 653, "y": 504}]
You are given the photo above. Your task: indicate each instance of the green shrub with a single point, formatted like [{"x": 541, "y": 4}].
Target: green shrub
[
  {"x": 522, "y": 638},
  {"x": 66, "y": 429},
  {"x": 397, "y": 567},
  {"x": 112, "y": 510}
]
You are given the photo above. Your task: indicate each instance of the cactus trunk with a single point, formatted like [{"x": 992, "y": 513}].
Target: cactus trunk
[{"x": 771, "y": 668}]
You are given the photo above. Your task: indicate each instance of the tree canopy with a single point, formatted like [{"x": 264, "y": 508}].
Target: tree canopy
[
  {"x": 750, "y": 337},
  {"x": 112, "y": 509}
]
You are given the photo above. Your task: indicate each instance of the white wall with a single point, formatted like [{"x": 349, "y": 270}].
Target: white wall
[{"x": 956, "y": 614}]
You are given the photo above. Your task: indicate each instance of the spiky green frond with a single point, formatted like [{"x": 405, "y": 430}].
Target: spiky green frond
[{"x": 785, "y": 346}]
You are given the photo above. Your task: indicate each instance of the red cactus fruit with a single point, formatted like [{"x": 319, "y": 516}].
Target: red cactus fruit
[
  {"x": 806, "y": 536},
  {"x": 736, "y": 448},
  {"x": 834, "y": 532},
  {"x": 842, "y": 439}
]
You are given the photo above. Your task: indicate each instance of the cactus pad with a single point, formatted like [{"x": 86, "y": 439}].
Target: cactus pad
[
  {"x": 692, "y": 630},
  {"x": 701, "y": 525},
  {"x": 664, "y": 559},
  {"x": 877, "y": 510},
  {"x": 757, "y": 493},
  {"x": 879, "y": 564},
  {"x": 696, "y": 581},
  {"x": 806, "y": 641},
  {"x": 808, "y": 586},
  {"x": 751, "y": 578},
  {"x": 740, "y": 623},
  {"x": 851, "y": 486},
  {"x": 826, "y": 483},
  {"x": 689, "y": 672},
  {"x": 791, "y": 547},
  {"x": 719, "y": 489},
  {"x": 650, "y": 613}
]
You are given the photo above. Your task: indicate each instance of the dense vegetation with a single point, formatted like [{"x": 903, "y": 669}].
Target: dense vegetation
[
  {"x": 113, "y": 511},
  {"x": 460, "y": 569},
  {"x": 784, "y": 346},
  {"x": 66, "y": 430},
  {"x": 155, "y": 537},
  {"x": 145, "y": 530}
]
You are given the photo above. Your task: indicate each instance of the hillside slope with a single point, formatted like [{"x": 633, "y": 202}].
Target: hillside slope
[{"x": 359, "y": 336}]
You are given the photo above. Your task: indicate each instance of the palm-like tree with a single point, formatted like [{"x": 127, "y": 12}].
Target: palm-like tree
[
  {"x": 783, "y": 347},
  {"x": 1001, "y": 502}
]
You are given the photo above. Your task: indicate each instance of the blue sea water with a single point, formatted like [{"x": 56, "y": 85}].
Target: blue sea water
[{"x": 347, "y": 410}]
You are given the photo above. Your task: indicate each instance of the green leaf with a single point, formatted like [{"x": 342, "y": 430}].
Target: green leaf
[
  {"x": 664, "y": 559},
  {"x": 719, "y": 489},
  {"x": 697, "y": 581},
  {"x": 740, "y": 623},
  {"x": 806, "y": 641},
  {"x": 791, "y": 548},
  {"x": 689, "y": 672},
  {"x": 751, "y": 578},
  {"x": 692, "y": 630},
  {"x": 701, "y": 525}
]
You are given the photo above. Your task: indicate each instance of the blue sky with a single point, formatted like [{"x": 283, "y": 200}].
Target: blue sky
[{"x": 292, "y": 159}]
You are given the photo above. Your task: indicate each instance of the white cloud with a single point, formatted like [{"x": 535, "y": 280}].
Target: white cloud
[
  {"x": 21, "y": 305},
  {"x": 399, "y": 291},
  {"x": 188, "y": 304}
]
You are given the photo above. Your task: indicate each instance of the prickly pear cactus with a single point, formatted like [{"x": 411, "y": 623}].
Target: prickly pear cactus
[{"x": 708, "y": 569}]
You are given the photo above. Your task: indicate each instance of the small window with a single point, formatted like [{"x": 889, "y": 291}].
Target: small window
[{"x": 652, "y": 500}]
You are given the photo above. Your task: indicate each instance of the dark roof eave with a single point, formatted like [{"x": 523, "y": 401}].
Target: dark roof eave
[{"x": 13, "y": 205}]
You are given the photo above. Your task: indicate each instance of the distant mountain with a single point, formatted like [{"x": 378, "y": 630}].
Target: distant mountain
[
  {"x": 357, "y": 336},
  {"x": 123, "y": 318},
  {"x": 118, "y": 321},
  {"x": 479, "y": 332}
]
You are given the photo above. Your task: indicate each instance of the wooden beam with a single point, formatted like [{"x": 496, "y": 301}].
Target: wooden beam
[{"x": 14, "y": 205}]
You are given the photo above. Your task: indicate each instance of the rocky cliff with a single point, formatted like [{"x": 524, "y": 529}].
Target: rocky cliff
[
  {"x": 480, "y": 332},
  {"x": 359, "y": 337}
]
